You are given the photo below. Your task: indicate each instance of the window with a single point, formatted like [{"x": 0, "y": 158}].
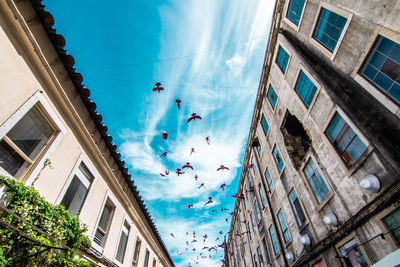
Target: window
[
  {"x": 272, "y": 96},
  {"x": 255, "y": 260},
  {"x": 257, "y": 210},
  {"x": 265, "y": 249},
  {"x": 262, "y": 196},
  {"x": 294, "y": 11},
  {"x": 254, "y": 167},
  {"x": 104, "y": 223},
  {"x": 21, "y": 146},
  {"x": 260, "y": 258},
  {"x": 269, "y": 181},
  {"x": 250, "y": 180},
  {"x": 259, "y": 150},
  {"x": 352, "y": 255},
  {"x": 282, "y": 59},
  {"x": 298, "y": 211},
  {"x": 383, "y": 67},
  {"x": 273, "y": 240},
  {"x": 345, "y": 140},
  {"x": 248, "y": 229},
  {"x": 284, "y": 228},
  {"x": 305, "y": 88},
  {"x": 77, "y": 191},
  {"x": 146, "y": 259},
  {"x": 392, "y": 223},
  {"x": 123, "y": 240},
  {"x": 278, "y": 158},
  {"x": 265, "y": 125},
  {"x": 316, "y": 182},
  {"x": 252, "y": 221},
  {"x": 137, "y": 252},
  {"x": 329, "y": 28}
]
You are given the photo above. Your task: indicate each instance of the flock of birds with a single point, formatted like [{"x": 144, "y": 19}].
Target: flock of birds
[{"x": 179, "y": 171}]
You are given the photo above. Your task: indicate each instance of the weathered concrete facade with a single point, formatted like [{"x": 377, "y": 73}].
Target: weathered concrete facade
[
  {"x": 306, "y": 200},
  {"x": 46, "y": 116}
]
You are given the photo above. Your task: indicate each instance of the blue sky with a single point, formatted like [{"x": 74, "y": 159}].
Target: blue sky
[{"x": 207, "y": 53}]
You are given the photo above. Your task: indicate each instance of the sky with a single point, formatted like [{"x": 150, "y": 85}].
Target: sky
[{"x": 207, "y": 53}]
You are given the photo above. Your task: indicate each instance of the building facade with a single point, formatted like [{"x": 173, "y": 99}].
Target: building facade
[
  {"x": 320, "y": 180},
  {"x": 52, "y": 138}
]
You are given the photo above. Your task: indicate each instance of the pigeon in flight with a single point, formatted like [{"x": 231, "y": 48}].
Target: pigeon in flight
[
  {"x": 202, "y": 185},
  {"x": 178, "y": 171},
  {"x": 222, "y": 167},
  {"x": 209, "y": 201},
  {"x": 208, "y": 140},
  {"x": 164, "y": 154},
  {"x": 171, "y": 234},
  {"x": 192, "y": 151},
  {"x": 178, "y": 103},
  {"x": 196, "y": 177},
  {"x": 189, "y": 206},
  {"x": 164, "y": 135},
  {"x": 223, "y": 186},
  {"x": 158, "y": 88},
  {"x": 187, "y": 165},
  {"x": 194, "y": 116}
]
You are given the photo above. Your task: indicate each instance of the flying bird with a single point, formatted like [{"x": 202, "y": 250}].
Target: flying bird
[
  {"x": 178, "y": 171},
  {"x": 158, "y": 88},
  {"x": 163, "y": 175},
  {"x": 222, "y": 167},
  {"x": 177, "y": 252},
  {"x": 187, "y": 165},
  {"x": 223, "y": 209},
  {"x": 241, "y": 196},
  {"x": 194, "y": 116},
  {"x": 192, "y": 151},
  {"x": 189, "y": 206},
  {"x": 178, "y": 103},
  {"x": 171, "y": 234},
  {"x": 166, "y": 172},
  {"x": 209, "y": 201},
  {"x": 164, "y": 135},
  {"x": 220, "y": 232},
  {"x": 164, "y": 154},
  {"x": 194, "y": 234},
  {"x": 193, "y": 241},
  {"x": 223, "y": 186},
  {"x": 214, "y": 211},
  {"x": 251, "y": 166},
  {"x": 208, "y": 140},
  {"x": 196, "y": 177},
  {"x": 202, "y": 185}
]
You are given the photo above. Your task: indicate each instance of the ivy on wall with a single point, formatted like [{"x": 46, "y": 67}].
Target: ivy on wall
[{"x": 17, "y": 238}]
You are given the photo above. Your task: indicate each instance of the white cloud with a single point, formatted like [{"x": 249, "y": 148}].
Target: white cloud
[{"x": 236, "y": 64}]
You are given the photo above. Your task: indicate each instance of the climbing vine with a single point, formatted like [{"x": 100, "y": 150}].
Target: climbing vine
[{"x": 34, "y": 242}]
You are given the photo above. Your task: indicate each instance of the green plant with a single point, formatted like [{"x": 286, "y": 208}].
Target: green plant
[{"x": 54, "y": 221}]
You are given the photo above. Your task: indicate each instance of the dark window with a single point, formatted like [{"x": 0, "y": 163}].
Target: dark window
[
  {"x": 294, "y": 11},
  {"x": 329, "y": 28},
  {"x": 346, "y": 141},
  {"x": 298, "y": 211},
  {"x": 305, "y": 88},
  {"x": 104, "y": 224},
  {"x": 273, "y": 240},
  {"x": 284, "y": 228},
  {"x": 383, "y": 67},
  {"x": 316, "y": 182},
  {"x": 123, "y": 240},
  {"x": 137, "y": 252},
  {"x": 23, "y": 143},
  {"x": 77, "y": 191},
  {"x": 282, "y": 59},
  {"x": 265, "y": 249},
  {"x": 392, "y": 223},
  {"x": 269, "y": 181},
  {"x": 278, "y": 158},
  {"x": 272, "y": 97},
  {"x": 146, "y": 259},
  {"x": 265, "y": 125}
]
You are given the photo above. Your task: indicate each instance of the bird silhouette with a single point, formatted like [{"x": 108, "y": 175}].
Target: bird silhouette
[
  {"x": 241, "y": 196},
  {"x": 189, "y": 206},
  {"x": 208, "y": 140},
  {"x": 178, "y": 103},
  {"x": 196, "y": 177},
  {"x": 209, "y": 201},
  {"x": 158, "y": 88},
  {"x": 194, "y": 116},
  {"x": 202, "y": 185},
  {"x": 222, "y": 167},
  {"x": 187, "y": 165},
  {"x": 164, "y": 135},
  {"x": 171, "y": 234},
  {"x": 178, "y": 171},
  {"x": 192, "y": 151},
  {"x": 164, "y": 154},
  {"x": 223, "y": 186}
]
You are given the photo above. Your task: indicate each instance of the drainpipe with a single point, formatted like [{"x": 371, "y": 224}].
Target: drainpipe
[{"x": 280, "y": 243}]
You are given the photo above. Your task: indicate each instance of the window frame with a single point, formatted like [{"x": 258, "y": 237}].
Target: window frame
[
  {"x": 379, "y": 222},
  {"x": 301, "y": 206},
  {"x": 269, "y": 85},
  {"x": 346, "y": 240},
  {"x": 288, "y": 21},
  {"x": 348, "y": 169},
  {"x": 135, "y": 262},
  {"x": 330, "y": 194},
  {"x": 338, "y": 11},
  {"x": 271, "y": 192},
  {"x": 276, "y": 254},
  {"x": 81, "y": 160},
  {"x": 284, "y": 47},
  {"x": 276, "y": 164},
  {"x": 303, "y": 69},
  {"x": 110, "y": 200},
  {"x": 389, "y": 103},
  {"x": 122, "y": 228},
  {"x": 280, "y": 210},
  {"x": 30, "y": 173},
  {"x": 262, "y": 126}
]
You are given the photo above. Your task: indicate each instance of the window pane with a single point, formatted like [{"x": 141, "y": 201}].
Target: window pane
[
  {"x": 282, "y": 59},
  {"x": 31, "y": 133},
  {"x": 10, "y": 160},
  {"x": 269, "y": 181},
  {"x": 278, "y": 159},
  {"x": 392, "y": 222},
  {"x": 305, "y": 88},
  {"x": 294, "y": 11},
  {"x": 272, "y": 96},
  {"x": 105, "y": 217},
  {"x": 329, "y": 28},
  {"x": 121, "y": 247},
  {"x": 317, "y": 184},
  {"x": 284, "y": 227},
  {"x": 146, "y": 259},
  {"x": 298, "y": 211},
  {"x": 74, "y": 197},
  {"x": 273, "y": 239},
  {"x": 265, "y": 125},
  {"x": 352, "y": 254}
]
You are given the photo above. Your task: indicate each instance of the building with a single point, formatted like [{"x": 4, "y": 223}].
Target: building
[
  {"x": 51, "y": 137},
  {"x": 320, "y": 179}
]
